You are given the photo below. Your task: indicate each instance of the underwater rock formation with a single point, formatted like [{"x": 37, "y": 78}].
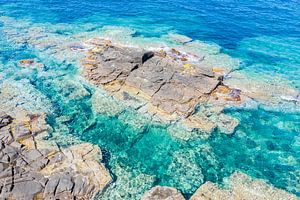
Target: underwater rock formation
[
  {"x": 242, "y": 187},
  {"x": 31, "y": 168},
  {"x": 239, "y": 186},
  {"x": 162, "y": 193}
]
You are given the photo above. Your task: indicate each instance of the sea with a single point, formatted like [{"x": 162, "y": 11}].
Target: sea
[{"x": 263, "y": 35}]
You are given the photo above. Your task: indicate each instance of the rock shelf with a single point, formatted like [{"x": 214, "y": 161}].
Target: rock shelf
[
  {"x": 172, "y": 83},
  {"x": 31, "y": 168},
  {"x": 241, "y": 187}
]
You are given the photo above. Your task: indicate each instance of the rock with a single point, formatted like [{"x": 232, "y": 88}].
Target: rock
[
  {"x": 35, "y": 172},
  {"x": 210, "y": 191},
  {"x": 162, "y": 193},
  {"x": 200, "y": 122},
  {"x": 30, "y": 63},
  {"x": 5, "y": 120},
  {"x": 26, "y": 62},
  {"x": 171, "y": 87},
  {"x": 80, "y": 184},
  {"x": 86, "y": 151},
  {"x": 5, "y": 135},
  {"x": 179, "y": 38},
  {"x": 21, "y": 131},
  {"x": 186, "y": 170},
  {"x": 31, "y": 155},
  {"x": 52, "y": 185},
  {"x": 241, "y": 187},
  {"x": 65, "y": 184},
  {"x": 147, "y": 55},
  {"x": 28, "y": 190},
  {"x": 226, "y": 124},
  {"x": 225, "y": 93}
]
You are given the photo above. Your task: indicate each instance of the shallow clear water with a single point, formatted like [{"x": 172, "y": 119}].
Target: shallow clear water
[{"x": 264, "y": 35}]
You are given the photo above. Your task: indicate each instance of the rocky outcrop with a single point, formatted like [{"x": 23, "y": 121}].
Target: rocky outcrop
[
  {"x": 242, "y": 187},
  {"x": 172, "y": 83},
  {"x": 31, "y": 168},
  {"x": 156, "y": 77},
  {"x": 162, "y": 193}
]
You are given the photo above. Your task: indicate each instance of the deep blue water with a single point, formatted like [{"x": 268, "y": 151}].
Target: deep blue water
[
  {"x": 225, "y": 22},
  {"x": 265, "y": 35}
]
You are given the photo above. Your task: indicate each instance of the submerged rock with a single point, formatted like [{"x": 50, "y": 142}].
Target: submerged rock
[
  {"x": 30, "y": 63},
  {"x": 179, "y": 38},
  {"x": 242, "y": 187},
  {"x": 162, "y": 193}
]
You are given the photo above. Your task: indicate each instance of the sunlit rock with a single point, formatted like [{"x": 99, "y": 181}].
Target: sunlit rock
[
  {"x": 242, "y": 187},
  {"x": 39, "y": 169}
]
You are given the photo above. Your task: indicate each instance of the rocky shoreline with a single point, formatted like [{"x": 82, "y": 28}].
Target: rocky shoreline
[
  {"x": 167, "y": 83},
  {"x": 31, "y": 168},
  {"x": 241, "y": 187}
]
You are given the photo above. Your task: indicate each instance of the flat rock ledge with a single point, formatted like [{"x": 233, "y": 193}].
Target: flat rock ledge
[
  {"x": 241, "y": 187},
  {"x": 171, "y": 83},
  {"x": 31, "y": 168}
]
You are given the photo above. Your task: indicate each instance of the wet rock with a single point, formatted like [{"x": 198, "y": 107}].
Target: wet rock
[
  {"x": 226, "y": 124},
  {"x": 225, "y": 93},
  {"x": 179, "y": 38},
  {"x": 162, "y": 193},
  {"x": 26, "y": 62},
  {"x": 191, "y": 175},
  {"x": 30, "y": 63},
  {"x": 21, "y": 95},
  {"x": 130, "y": 184}
]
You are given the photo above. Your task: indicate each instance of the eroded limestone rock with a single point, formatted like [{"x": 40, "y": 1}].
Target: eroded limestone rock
[{"x": 31, "y": 168}]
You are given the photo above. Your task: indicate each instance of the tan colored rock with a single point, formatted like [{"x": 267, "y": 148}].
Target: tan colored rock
[
  {"x": 30, "y": 63},
  {"x": 209, "y": 191},
  {"x": 82, "y": 158},
  {"x": 171, "y": 87},
  {"x": 39, "y": 169},
  {"x": 242, "y": 187},
  {"x": 200, "y": 122},
  {"x": 162, "y": 193}
]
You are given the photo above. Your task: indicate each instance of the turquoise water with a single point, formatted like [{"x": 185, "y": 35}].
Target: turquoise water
[{"x": 141, "y": 153}]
